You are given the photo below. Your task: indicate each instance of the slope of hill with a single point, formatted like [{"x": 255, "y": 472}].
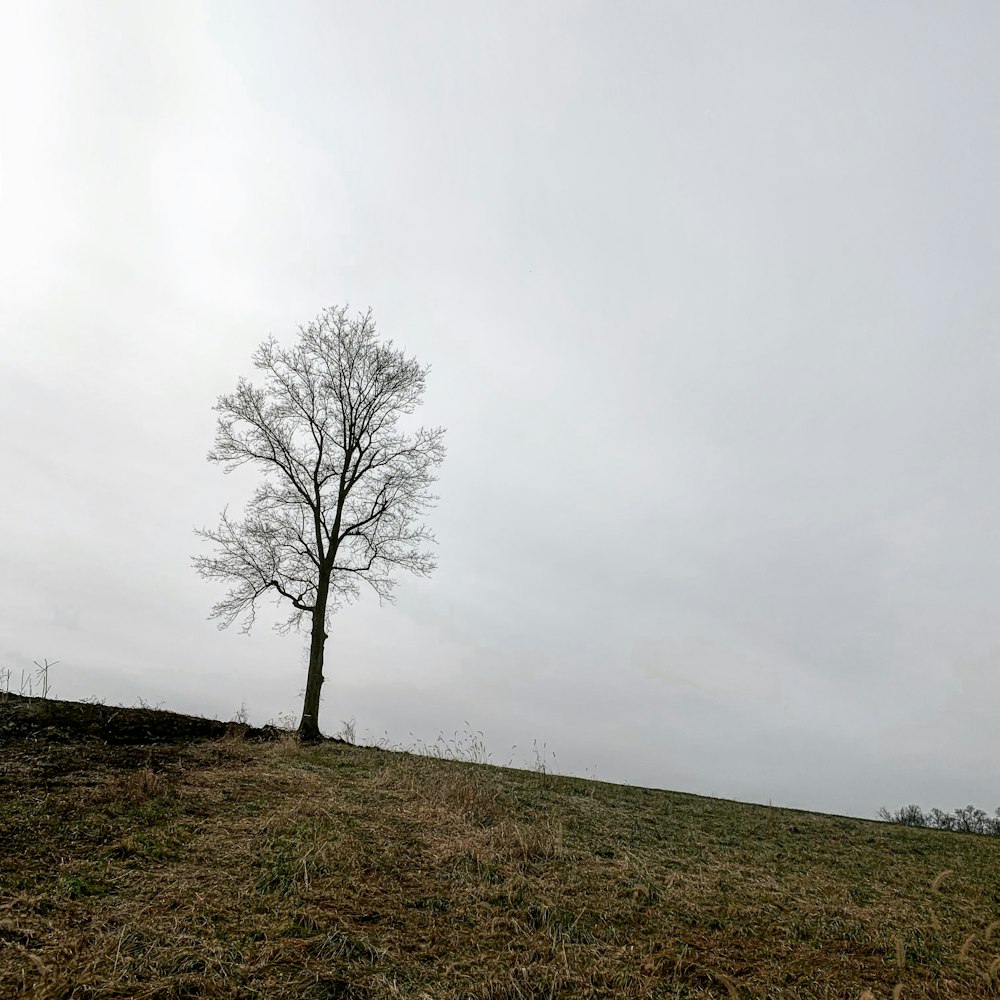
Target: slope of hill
[{"x": 160, "y": 862}]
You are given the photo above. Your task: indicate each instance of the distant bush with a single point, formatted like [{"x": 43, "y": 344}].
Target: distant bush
[
  {"x": 966, "y": 820},
  {"x": 911, "y": 815},
  {"x": 942, "y": 820}
]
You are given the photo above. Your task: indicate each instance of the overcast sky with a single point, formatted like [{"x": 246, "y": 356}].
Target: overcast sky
[{"x": 710, "y": 296}]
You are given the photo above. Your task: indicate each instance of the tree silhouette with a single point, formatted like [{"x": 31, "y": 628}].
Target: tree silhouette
[{"x": 342, "y": 487}]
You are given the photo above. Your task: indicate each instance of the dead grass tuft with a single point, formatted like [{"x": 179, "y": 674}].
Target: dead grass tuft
[
  {"x": 132, "y": 788},
  {"x": 963, "y": 952},
  {"x": 939, "y": 879},
  {"x": 517, "y": 844},
  {"x": 475, "y": 801}
]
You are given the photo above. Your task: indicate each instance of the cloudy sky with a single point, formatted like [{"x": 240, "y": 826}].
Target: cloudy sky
[{"x": 709, "y": 292}]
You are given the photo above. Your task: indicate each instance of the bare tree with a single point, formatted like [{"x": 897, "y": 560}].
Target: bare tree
[{"x": 342, "y": 487}]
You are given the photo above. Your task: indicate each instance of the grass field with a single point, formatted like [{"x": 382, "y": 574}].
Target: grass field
[{"x": 229, "y": 868}]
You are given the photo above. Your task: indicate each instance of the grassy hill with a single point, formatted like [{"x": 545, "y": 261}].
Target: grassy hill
[{"x": 163, "y": 862}]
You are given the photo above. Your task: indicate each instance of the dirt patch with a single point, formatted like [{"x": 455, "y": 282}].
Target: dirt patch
[{"x": 70, "y": 721}]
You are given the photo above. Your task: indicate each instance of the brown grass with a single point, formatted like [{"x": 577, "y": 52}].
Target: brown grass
[{"x": 228, "y": 869}]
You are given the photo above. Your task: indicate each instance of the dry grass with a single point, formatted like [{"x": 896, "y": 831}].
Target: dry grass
[{"x": 228, "y": 869}]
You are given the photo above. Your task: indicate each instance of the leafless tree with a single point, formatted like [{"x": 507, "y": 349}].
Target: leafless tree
[{"x": 342, "y": 489}]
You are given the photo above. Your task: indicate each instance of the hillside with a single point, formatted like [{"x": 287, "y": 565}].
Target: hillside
[{"x": 174, "y": 857}]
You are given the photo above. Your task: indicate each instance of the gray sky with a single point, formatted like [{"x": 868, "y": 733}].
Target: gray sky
[{"x": 709, "y": 294}]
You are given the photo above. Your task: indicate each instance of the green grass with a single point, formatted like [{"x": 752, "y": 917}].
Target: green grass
[{"x": 228, "y": 869}]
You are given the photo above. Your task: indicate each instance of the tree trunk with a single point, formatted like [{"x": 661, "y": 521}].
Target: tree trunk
[{"x": 309, "y": 724}]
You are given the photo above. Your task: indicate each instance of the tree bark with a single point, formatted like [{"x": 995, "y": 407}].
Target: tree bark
[{"x": 309, "y": 724}]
